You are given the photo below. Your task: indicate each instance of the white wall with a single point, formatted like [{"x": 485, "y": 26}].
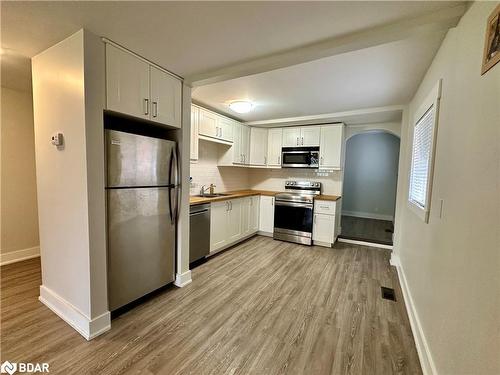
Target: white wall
[
  {"x": 389, "y": 127},
  {"x": 19, "y": 230},
  {"x": 370, "y": 175},
  {"x": 274, "y": 179},
  {"x": 68, "y": 97},
  {"x": 452, "y": 264},
  {"x": 205, "y": 171}
]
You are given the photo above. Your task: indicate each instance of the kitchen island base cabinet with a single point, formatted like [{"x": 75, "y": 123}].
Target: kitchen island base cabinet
[
  {"x": 232, "y": 221},
  {"x": 266, "y": 220}
]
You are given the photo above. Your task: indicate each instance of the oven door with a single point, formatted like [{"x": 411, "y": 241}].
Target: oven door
[
  {"x": 293, "y": 222},
  {"x": 296, "y": 159}
]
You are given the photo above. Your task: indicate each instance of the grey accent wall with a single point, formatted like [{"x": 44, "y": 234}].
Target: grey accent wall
[{"x": 370, "y": 177}]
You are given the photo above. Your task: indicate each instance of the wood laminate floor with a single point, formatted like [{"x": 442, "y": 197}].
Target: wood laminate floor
[
  {"x": 263, "y": 307},
  {"x": 364, "y": 229}
]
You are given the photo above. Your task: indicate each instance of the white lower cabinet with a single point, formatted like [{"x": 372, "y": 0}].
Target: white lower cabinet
[
  {"x": 266, "y": 220},
  {"x": 324, "y": 223},
  {"x": 218, "y": 223},
  {"x": 323, "y": 228},
  {"x": 233, "y": 220}
]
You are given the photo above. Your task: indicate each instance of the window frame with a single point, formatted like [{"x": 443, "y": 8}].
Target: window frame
[{"x": 432, "y": 99}]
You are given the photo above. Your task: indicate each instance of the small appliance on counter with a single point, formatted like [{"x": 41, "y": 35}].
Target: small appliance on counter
[{"x": 293, "y": 212}]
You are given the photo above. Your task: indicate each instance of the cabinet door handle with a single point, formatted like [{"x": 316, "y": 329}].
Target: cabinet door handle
[
  {"x": 231, "y": 203},
  {"x": 321, "y": 160},
  {"x": 155, "y": 109},
  {"x": 265, "y": 159},
  {"x": 314, "y": 219},
  {"x": 272, "y": 201},
  {"x": 227, "y": 206},
  {"x": 297, "y": 141},
  {"x": 302, "y": 141},
  {"x": 146, "y": 106},
  {"x": 279, "y": 160}
]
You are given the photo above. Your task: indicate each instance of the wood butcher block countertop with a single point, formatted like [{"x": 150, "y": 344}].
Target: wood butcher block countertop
[{"x": 194, "y": 200}]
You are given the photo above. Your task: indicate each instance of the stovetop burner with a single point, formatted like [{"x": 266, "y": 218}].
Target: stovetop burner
[{"x": 299, "y": 191}]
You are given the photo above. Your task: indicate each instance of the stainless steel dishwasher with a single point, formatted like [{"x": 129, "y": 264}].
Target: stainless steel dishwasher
[{"x": 199, "y": 232}]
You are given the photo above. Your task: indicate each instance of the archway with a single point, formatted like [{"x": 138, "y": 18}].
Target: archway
[{"x": 369, "y": 187}]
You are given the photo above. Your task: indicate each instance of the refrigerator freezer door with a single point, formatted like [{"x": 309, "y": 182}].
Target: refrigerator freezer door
[
  {"x": 136, "y": 160},
  {"x": 141, "y": 243}
]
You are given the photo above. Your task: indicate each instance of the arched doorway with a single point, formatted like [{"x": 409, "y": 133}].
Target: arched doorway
[{"x": 369, "y": 187}]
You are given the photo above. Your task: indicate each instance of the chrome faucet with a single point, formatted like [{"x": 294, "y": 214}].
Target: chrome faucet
[{"x": 204, "y": 189}]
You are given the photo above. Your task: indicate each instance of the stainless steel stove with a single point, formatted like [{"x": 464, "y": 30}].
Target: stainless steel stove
[{"x": 293, "y": 211}]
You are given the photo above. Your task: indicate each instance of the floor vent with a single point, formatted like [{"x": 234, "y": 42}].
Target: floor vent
[{"x": 388, "y": 293}]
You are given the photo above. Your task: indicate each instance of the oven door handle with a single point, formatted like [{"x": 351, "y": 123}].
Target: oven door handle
[{"x": 294, "y": 204}]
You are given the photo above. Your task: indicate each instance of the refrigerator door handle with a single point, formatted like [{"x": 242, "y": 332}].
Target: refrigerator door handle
[{"x": 174, "y": 180}]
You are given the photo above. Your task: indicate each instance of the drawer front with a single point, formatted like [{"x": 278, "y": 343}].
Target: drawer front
[{"x": 324, "y": 207}]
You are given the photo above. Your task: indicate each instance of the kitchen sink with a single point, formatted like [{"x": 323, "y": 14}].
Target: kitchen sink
[{"x": 211, "y": 195}]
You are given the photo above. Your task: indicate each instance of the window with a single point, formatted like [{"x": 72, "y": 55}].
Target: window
[{"x": 422, "y": 157}]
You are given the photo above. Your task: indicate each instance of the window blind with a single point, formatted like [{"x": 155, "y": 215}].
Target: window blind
[{"x": 421, "y": 157}]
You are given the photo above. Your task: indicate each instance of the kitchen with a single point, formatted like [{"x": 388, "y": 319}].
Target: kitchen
[
  {"x": 173, "y": 205},
  {"x": 235, "y": 216}
]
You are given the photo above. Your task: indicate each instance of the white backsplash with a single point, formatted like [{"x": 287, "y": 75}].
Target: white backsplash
[
  {"x": 274, "y": 179},
  {"x": 206, "y": 171}
]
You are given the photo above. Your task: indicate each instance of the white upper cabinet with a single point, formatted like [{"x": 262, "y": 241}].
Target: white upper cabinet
[
  {"x": 137, "y": 88},
  {"x": 195, "y": 113},
  {"x": 330, "y": 149},
  {"x": 291, "y": 137},
  {"x": 310, "y": 136},
  {"x": 258, "y": 146},
  {"x": 237, "y": 149},
  {"x": 208, "y": 123},
  {"x": 304, "y": 136},
  {"x": 245, "y": 144},
  {"x": 165, "y": 98},
  {"x": 216, "y": 126},
  {"x": 225, "y": 128},
  {"x": 274, "y": 143},
  {"x": 127, "y": 83}
]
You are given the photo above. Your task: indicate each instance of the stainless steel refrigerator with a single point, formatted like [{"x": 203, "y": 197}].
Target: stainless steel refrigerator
[{"x": 142, "y": 204}]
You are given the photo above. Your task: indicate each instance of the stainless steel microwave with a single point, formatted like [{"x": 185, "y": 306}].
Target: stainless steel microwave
[{"x": 300, "y": 157}]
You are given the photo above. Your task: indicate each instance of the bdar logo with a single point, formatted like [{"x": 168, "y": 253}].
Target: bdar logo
[{"x": 8, "y": 367}]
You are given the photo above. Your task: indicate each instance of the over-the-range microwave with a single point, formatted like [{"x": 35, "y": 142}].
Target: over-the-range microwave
[{"x": 300, "y": 157}]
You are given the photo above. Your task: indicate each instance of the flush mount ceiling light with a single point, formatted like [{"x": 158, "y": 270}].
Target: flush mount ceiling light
[{"x": 241, "y": 106}]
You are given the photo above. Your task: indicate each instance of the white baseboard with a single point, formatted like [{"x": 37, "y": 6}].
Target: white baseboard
[
  {"x": 88, "y": 328},
  {"x": 19, "y": 255},
  {"x": 321, "y": 243},
  {"x": 365, "y": 243},
  {"x": 424, "y": 354},
  {"x": 266, "y": 234},
  {"x": 183, "y": 279},
  {"x": 368, "y": 215}
]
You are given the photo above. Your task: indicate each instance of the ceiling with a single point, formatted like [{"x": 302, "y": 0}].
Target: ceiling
[
  {"x": 379, "y": 76},
  {"x": 194, "y": 37}
]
